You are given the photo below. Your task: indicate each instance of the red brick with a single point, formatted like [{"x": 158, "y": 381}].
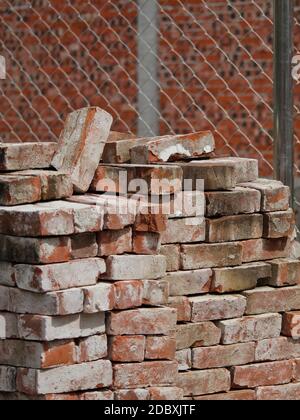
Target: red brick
[
  {"x": 184, "y": 283},
  {"x": 246, "y": 170},
  {"x": 115, "y": 242},
  {"x": 291, "y": 324},
  {"x": 16, "y": 189},
  {"x": 127, "y": 349},
  {"x": 204, "y": 382},
  {"x": 8, "y": 274},
  {"x": 234, "y": 228},
  {"x": 266, "y": 299},
  {"x": 229, "y": 396},
  {"x": 135, "y": 267},
  {"x": 285, "y": 272},
  {"x": 81, "y": 145},
  {"x": 182, "y": 306},
  {"x": 223, "y": 356},
  {"x": 7, "y": 379},
  {"x": 263, "y": 374},
  {"x": 92, "y": 348},
  {"x": 84, "y": 245},
  {"x": 172, "y": 254},
  {"x": 18, "y": 156},
  {"x": 290, "y": 392},
  {"x": 197, "y": 335},
  {"x": 166, "y": 394},
  {"x": 296, "y": 376},
  {"x": 265, "y": 249},
  {"x": 128, "y": 294},
  {"x": 145, "y": 374},
  {"x": 147, "y": 243},
  {"x": 98, "y": 298},
  {"x": 172, "y": 148},
  {"x": 139, "y": 394},
  {"x": 146, "y": 321},
  {"x": 194, "y": 257},
  {"x": 186, "y": 230},
  {"x": 119, "y": 151},
  {"x": 211, "y": 308},
  {"x": 184, "y": 359},
  {"x": 160, "y": 348},
  {"x": 279, "y": 224},
  {"x": 277, "y": 349},
  {"x": 155, "y": 223}
]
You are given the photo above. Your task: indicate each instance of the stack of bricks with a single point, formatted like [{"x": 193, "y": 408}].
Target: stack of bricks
[{"x": 105, "y": 296}]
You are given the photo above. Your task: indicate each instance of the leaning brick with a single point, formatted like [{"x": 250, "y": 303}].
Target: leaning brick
[
  {"x": 135, "y": 267},
  {"x": 197, "y": 335},
  {"x": 85, "y": 376},
  {"x": 81, "y": 145},
  {"x": 145, "y": 374},
  {"x": 7, "y": 379},
  {"x": 35, "y": 250},
  {"x": 128, "y": 294},
  {"x": 54, "y": 277},
  {"x": 46, "y": 328},
  {"x": 146, "y": 321},
  {"x": 234, "y": 228},
  {"x": 267, "y": 299},
  {"x": 185, "y": 283},
  {"x": 264, "y": 374},
  {"x": 17, "y": 189},
  {"x": 127, "y": 349},
  {"x": 99, "y": 298},
  {"x": 194, "y": 257},
  {"x": 211, "y": 308},
  {"x": 251, "y": 328},
  {"x": 204, "y": 382},
  {"x": 279, "y": 224},
  {"x": 19, "y": 156}
]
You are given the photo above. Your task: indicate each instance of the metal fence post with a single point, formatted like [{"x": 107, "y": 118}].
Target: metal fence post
[
  {"x": 283, "y": 93},
  {"x": 148, "y": 95}
]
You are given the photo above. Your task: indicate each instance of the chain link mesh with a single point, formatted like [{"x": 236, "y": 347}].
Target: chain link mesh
[{"x": 214, "y": 68}]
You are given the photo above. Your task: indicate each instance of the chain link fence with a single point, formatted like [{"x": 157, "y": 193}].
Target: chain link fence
[{"x": 157, "y": 66}]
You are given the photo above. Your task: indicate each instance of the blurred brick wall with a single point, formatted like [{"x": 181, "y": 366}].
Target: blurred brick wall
[{"x": 215, "y": 68}]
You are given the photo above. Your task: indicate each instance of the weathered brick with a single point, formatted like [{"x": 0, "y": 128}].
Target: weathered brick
[
  {"x": 204, "y": 382},
  {"x": 210, "y": 307},
  {"x": 184, "y": 359},
  {"x": 81, "y": 145},
  {"x": 291, "y": 324},
  {"x": 7, "y": 276},
  {"x": 18, "y": 156},
  {"x": 54, "y": 277},
  {"x": 264, "y": 374},
  {"x": 118, "y": 151},
  {"x": 35, "y": 250},
  {"x": 285, "y": 272},
  {"x": 239, "y": 278},
  {"x": 252, "y": 328},
  {"x": 216, "y": 175},
  {"x": 128, "y": 294},
  {"x": 127, "y": 349},
  {"x": 92, "y": 348},
  {"x": 186, "y": 230},
  {"x": 186, "y": 204},
  {"x": 17, "y": 189},
  {"x": 147, "y": 243},
  {"x": 184, "y": 283},
  {"x": 151, "y": 222},
  {"x": 55, "y": 185},
  {"x": 99, "y": 298},
  {"x": 197, "y": 335},
  {"x": 84, "y": 245},
  {"x": 45, "y": 328},
  {"x": 173, "y": 148},
  {"x": 172, "y": 254},
  {"x": 146, "y": 321},
  {"x": 145, "y": 179},
  {"x": 229, "y": 396},
  {"x": 277, "y": 349},
  {"x": 183, "y": 307},
  {"x": 138, "y": 394},
  {"x": 93, "y": 375},
  {"x": 166, "y": 394},
  {"x": 54, "y": 303},
  {"x": 265, "y": 249},
  {"x": 7, "y": 379},
  {"x": 290, "y": 392},
  {"x": 36, "y": 355},
  {"x": 160, "y": 348},
  {"x": 135, "y": 267},
  {"x": 228, "y": 203},
  {"x": 234, "y": 228},
  {"x": 279, "y": 224},
  {"x": 145, "y": 374},
  {"x": 115, "y": 136},
  {"x": 155, "y": 292},
  {"x": 275, "y": 196},
  {"x": 223, "y": 356},
  {"x": 72, "y": 396},
  {"x": 246, "y": 169},
  {"x": 115, "y": 242},
  {"x": 296, "y": 375},
  {"x": 266, "y": 299},
  {"x": 8, "y": 325},
  {"x": 194, "y": 257}
]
